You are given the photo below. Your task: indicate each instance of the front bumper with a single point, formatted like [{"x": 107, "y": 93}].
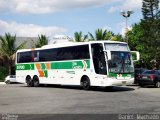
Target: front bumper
[{"x": 146, "y": 82}]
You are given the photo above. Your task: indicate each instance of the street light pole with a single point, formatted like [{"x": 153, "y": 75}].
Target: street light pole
[{"x": 126, "y": 14}]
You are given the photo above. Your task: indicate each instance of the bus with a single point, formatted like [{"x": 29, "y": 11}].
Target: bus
[{"x": 93, "y": 63}]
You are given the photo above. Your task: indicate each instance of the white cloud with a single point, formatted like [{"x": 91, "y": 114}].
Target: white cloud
[
  {"x": 48, "y": 6},
  {"x": 29, "y": 30},
  {"x": 126, "y": 5}
]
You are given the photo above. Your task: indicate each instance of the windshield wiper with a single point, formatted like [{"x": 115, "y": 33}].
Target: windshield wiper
[{"x": 124, "y": 65}]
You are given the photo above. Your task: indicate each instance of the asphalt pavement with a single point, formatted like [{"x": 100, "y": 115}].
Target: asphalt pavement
[{"x": 55, "y": 100}]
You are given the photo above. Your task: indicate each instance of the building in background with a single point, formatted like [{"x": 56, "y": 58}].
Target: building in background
[
  {"x": 30, "y": 41},
  {"x": 60, "y": 39}
]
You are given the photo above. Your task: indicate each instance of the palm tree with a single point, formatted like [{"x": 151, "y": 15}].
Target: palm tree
[
  {"x": 118, "y": 37},
  {"x": 8, "y": 48},
  {"x": 79, "y": 37},
  {"x": 101, "y": 35},
  {"x": 42, "y": 40}
]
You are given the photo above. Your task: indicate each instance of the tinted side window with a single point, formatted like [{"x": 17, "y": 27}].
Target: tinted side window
[
  {"x": 82, "y": 52},
  {"x": 65, "y": 53},
  {"x": 56, "y": 54},
  {"x": 48, "y": 55},
  {"x": 24, "y": 57},
  {"x": 73, "y": 53}
]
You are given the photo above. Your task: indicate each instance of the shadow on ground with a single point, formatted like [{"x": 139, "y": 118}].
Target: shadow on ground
[{"x": 96, "y": 89}]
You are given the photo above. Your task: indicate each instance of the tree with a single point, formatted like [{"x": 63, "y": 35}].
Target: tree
[
  {"x": 136, "y": 43},
  {"x": 135, "y": 35},
  {"x": 150, "y": 9},
  {"x": 145, "y": 42},
  {"x": 145, "y": 35},
  {"x": 78, "y": 37},
  {"x": 118, "y": 37},
  {"x": 151, "y": 30},
  {"x": 42, "y": 40},
  {"x": 101, "y": 34},
  {"x": 8, "y": 48}
]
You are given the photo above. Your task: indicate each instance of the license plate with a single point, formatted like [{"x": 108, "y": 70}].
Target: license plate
[
  {"x": 144, "y": 77},
  {"x": 123, "y": 83}
]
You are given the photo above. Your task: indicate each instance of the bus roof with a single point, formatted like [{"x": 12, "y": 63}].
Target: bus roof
[{"x": 69, "y": 44}]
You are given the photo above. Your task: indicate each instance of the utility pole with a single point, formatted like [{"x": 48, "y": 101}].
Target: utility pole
[{"x": 126, "y": 14}]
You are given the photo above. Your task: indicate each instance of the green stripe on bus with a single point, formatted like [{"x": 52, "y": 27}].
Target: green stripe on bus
[
  {"x": 88, "y": 63},
  {"x": 82, "y": 64},
  {"x": 25, "y": 67},
  {"x": 43, "y": 66},
  {"x": 69, "y": 65},
  {"x": 61, "y": 65},
  {"x": 123, "y": 75},
  {"x": 45, "y": 73}
]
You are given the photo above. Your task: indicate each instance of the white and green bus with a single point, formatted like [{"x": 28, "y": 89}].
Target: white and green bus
[{"x": 95, "y": 63}]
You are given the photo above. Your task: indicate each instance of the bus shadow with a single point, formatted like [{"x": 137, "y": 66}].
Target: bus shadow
[
  {"x": 96, "y": 89},
  {"x": 114, "y": 89}
]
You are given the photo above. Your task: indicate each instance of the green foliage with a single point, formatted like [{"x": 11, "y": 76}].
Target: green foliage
[
  {"x": 134, "y": 37},
  {"x": 145, "y": 36},
  {"x": 118, "y": 38},
  {"x": 146, "y": 40},
  {"x": 3, "y": 73},
  {"x": 150, "y": 9},
  {"x": 78, "y": 37},
  {"x": 151, "y": 32},
  {"x": 101, "y": 34},
  {"x": 42, "y": 40},
  {"x": 8, "y": 48}
]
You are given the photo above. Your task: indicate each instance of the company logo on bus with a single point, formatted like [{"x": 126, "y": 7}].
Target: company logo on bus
[{"x": 76, "y": 66}]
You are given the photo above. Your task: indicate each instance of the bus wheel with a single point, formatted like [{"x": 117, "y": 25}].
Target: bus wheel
[
  {"x": 85, "y": 83},
  {"x": 35, "y": 81},
  {"x": 29, "y": 81},
  {"x": 141, "y": 85}
]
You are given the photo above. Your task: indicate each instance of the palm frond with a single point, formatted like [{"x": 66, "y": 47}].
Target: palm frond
[
  {"x": 91, "y": 36},
  {"x": 42, "y": 40},
  {"x": 78, "y": 37}
]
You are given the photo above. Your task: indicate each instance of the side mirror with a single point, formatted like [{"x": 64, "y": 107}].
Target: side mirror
[
  {"x": 108, "y": 53},
  {"x": 135, "y": 55}
]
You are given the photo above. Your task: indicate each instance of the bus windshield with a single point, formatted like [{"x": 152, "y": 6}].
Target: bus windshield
[{"x": 120, "y": 62}]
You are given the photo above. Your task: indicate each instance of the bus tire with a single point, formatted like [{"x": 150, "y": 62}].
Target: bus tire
[
  {"x": 141, "y": 85},
  {"x": 29, "y": 81},
  {"x": 85, "y": 83},
  {"x": 35, "y": 81},
  {"x": 7, "y": 82}
]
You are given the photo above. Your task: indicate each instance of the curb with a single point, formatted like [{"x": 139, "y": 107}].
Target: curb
[{"x": 2, "y": 83}]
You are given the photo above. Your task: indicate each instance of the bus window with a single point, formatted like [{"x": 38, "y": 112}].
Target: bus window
[
  {"x": 24, "y": 57},
  {"x": 98, "y": 59},
  {"x": 36, "y": 56},
  {"x": 47, "y": 55},
  {"x": 73, "y": 53}
]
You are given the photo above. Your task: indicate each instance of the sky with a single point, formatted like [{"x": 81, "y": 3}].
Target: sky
[{"x": 30, "y": 18}]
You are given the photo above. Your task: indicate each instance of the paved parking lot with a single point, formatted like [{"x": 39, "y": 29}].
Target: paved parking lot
[{"x": 19, "y": 99}]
